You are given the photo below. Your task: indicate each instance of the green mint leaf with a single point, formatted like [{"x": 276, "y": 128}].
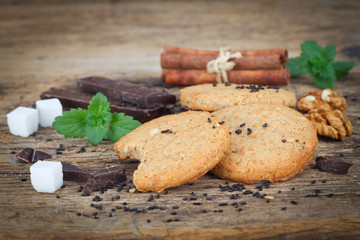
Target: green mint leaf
[
  {"x": 294, "y": 66},
  {"x": 342, "y": 68},
  {"x": 95, "y": 123},
  {"x": 95, "y": 129},
  {"x": 310, "y": 49},
  {"x": 327, "y": 72},
  {"x": 329, "y": 52},
  {"x": 105, "y": 117},
  {"x": 324, "y": 77},
  {"x": 99, "y": 104},
  {"x": 121, "y": 125},
  {"x": 318, "y": 63},
  {"x": 324, "y": 83},
  {"x": 322, "y": 71},
  {"x": 315, "y": 65},
  {"x": 72, "y": 123}
]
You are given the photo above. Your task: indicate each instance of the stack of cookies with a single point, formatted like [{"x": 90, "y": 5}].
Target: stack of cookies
[{"x": 242, "y": 132}]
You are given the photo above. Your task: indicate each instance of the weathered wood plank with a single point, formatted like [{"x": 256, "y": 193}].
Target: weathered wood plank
[{"x": 324, "y": 215}]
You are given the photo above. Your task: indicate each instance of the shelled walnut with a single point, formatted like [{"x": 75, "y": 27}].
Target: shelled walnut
[
  {"x": 326, "y": 110},
  {"x": 330, "y": 123},
  {"x": 325, "y": 100}
]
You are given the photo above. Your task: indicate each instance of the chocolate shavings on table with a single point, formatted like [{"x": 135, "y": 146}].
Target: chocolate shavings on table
[
  {"x": 111, "y": 177},
  {"x": 31, "y": 155},
  {"x": 330, "y": 165},
  {"x": 73, "y": 173}
]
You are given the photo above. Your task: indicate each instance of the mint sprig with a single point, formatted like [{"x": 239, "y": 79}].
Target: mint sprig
[
  {"x": 318, "y": 62},
  {"x": 72, "y": 123},
  {"x": 97, "y": 122}
]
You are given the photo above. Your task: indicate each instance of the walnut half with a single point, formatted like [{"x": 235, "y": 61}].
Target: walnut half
[
  {"x": 332, "y": 124},
  {"x": 326, "y": 111},
  {"x": 324, "y": 100}
]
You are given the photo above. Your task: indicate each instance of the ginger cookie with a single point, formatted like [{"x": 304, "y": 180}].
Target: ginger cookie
[
  {"x": 268, "y": 142},
  {"x": 175, "y": 149},
  {"x": 212, "y": 97}
]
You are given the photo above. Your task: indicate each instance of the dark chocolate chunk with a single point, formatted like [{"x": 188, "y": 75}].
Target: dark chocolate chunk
[
  {"x": 330, "y": 165},
  {"x": 73, "y": 173},
  {"x": 76, "y": 99},
  {"x": 102, "y": 180},
  {"x": 125, "y": 91},
  {"x": 31, "y": 155},
  {"x": 353, "y": 51}
]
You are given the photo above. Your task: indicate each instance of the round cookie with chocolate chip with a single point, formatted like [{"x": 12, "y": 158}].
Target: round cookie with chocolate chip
[
  {"x": 268, "y": 142},
  {"x": 175, "y": 149},
  {"x": 212, "y": 97}
]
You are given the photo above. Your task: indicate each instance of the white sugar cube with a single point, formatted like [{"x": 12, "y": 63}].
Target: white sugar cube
[
  {"x": 23, "y": 121},
  {"x": 48, "y": 110},
  {"x": 46, "y": 176}
]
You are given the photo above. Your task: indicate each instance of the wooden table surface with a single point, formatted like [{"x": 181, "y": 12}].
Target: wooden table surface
[{"x": 51, "y": 43}]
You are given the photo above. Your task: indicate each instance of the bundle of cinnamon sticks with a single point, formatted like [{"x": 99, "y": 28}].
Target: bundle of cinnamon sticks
[{"x": 181, "y": 66}]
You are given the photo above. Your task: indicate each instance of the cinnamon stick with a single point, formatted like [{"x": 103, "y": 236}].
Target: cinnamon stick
[
  {"x": 282, "y": 52},
  {"x": 192, "y": 77},
  {"x": 195, "y": 61}
]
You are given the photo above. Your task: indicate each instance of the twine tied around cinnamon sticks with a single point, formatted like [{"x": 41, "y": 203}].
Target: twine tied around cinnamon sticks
[
  {"x": 221, "y": 64},
  {"x": 183, "y": 66}
]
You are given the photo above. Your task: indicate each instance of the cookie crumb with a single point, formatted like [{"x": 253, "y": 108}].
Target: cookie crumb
[{"x": 269, "y": 197}]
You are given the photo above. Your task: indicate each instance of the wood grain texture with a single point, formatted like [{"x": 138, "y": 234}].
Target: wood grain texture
[{"x": 47, "y": 44}]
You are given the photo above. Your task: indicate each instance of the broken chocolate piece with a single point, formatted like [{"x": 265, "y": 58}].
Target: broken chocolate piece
[
  {"x": 31, "y": 155},
  {"x": 125, "y": 91},
  {"x": 76, "y": 99},
  {"x": 105, "y": 179},
  {"x": 330, "y": 165},
  {"x": 73, "y": 173}
]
